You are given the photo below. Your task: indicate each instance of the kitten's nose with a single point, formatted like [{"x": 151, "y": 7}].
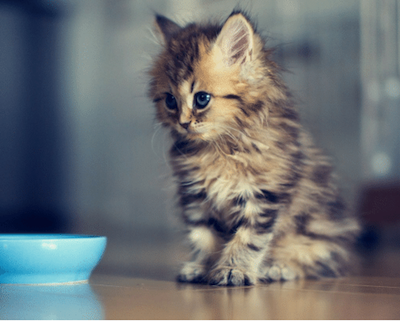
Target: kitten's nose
[{"x": 185, "y": 125}]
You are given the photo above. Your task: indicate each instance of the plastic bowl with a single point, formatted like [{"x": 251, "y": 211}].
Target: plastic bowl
[{"x": 48, "y": 258}]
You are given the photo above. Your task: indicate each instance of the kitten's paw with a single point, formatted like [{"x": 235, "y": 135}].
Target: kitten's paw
[
  {"x": 192, "y": 273},
  {"x": 230, "y": 276},
  {"x": 277, "y": 272}
]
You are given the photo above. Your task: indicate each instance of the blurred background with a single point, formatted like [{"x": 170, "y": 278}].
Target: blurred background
[{"x": 80, "y": 151}]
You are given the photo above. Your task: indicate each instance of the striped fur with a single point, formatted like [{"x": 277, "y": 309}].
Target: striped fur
[{"x": 257, "y": 197}]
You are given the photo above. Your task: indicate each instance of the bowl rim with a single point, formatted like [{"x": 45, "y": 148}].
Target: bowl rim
[{"x": 31, "y": 237}]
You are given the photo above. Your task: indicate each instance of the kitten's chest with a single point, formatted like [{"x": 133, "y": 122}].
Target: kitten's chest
[{"x": 222, "y": 179}]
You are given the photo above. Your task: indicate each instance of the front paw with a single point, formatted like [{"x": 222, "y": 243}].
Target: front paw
[
  {"x": 230, "y": 276},
  {"x": 192, "y": 273},
  {"x": 279, "y": 272}
]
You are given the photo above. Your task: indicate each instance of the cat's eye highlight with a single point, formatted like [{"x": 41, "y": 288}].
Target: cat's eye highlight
[
  {"x": 170, "y": 102},
  {"x": 201, "y": 99}
]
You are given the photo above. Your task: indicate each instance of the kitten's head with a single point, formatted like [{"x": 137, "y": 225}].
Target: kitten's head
[{"x": 209, "y": 80}]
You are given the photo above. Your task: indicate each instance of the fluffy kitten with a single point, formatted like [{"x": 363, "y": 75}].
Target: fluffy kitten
[{"x": 257, "y": 197}]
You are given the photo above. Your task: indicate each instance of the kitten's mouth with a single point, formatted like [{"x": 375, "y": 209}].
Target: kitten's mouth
[
  {"x": 193, "y": 134},
  {"x": 199, "y": 133},
  {"x": 189, "y": 130}
]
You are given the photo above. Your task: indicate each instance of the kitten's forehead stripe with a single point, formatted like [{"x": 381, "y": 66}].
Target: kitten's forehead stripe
[
  {"x": 183, "y": 50},
  {"x": 185, "y": 91}
]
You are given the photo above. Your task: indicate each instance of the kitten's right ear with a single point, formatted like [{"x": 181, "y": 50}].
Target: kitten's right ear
[
  {"x": 165, "y": 28},
  {"x": 236, "y": 39}
]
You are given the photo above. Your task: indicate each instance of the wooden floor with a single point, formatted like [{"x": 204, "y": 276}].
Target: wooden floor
[
  {"x": 116, "y": 297},
  {"x": 348, "y": 298},
  {"x": 135, "y": 280}
]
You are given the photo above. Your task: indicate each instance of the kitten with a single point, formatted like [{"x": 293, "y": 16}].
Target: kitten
[{"x": 256, "y": 196}]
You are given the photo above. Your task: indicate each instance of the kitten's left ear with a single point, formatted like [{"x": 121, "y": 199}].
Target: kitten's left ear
[
  {"x": 236, "y": 40},
  {"x": 165, "y": 28}
]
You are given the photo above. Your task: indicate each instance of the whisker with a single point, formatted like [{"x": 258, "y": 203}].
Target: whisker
[
  {"x": 180, "y": 152},
  {"x": 219, "y": 148},
  {"x": 232, "y": 136},
  {"x": 156, "y": 129}
]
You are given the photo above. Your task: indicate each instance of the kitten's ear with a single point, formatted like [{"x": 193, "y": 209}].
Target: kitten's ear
[
  {"x": 236, "y": 40},
  {"x": 165, "y": 28}
]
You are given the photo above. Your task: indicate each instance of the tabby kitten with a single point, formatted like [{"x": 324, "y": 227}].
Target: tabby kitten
[{"x": 256, "y": 196}]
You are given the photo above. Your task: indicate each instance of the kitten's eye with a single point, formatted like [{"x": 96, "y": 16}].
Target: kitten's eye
[
  {"x": 201, "y": 99},
  {"x": 170, "y": 101}
]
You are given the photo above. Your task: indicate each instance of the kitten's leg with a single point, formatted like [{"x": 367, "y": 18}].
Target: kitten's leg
[
  {"x": 203, "y": 241},
  {"x": 315, "y": 248},
  {"x": 205, "y": 245},
  {"x": 243, "y": 255},
  {"x": 306, "y": 258},
  {"x": 241, "y": 258}
]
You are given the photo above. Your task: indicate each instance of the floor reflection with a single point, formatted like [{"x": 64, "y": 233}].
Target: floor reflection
[
  {"x": 290, "y": 300},
  {"x": 207, "y": 302},
  {"x": 67, "y": 301}
]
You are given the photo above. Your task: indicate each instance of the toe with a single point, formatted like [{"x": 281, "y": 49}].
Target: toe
[{"x": 274, "y": 273}]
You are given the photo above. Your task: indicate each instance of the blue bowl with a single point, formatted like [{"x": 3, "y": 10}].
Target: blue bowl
[{"x": 48, "y": 258}]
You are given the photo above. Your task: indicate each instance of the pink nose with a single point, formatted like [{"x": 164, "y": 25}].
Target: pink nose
[{"x": 185, "y": 125}]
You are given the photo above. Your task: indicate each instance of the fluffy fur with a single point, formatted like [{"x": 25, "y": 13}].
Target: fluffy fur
[{"x": 257, "y": 197}]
